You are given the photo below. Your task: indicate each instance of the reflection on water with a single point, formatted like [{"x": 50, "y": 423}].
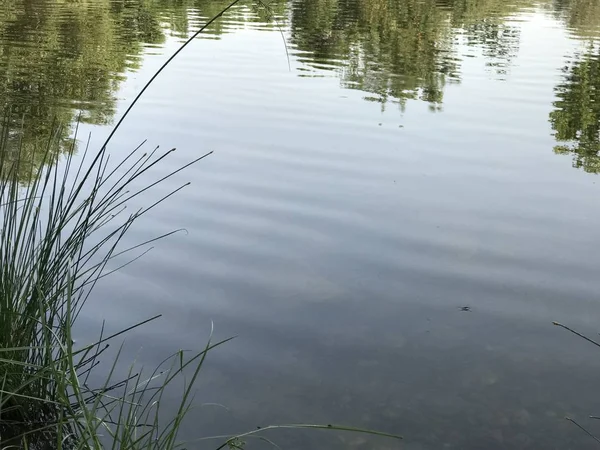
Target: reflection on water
[
  {"x": 576, "y": 115},
  {"x": 61, "y": 61},
  {"x": 339, "y": 237},
  {"x": 580, "y": 16},
  {"x": 396, "y": 51},
  {"x": 393, "y": 51},
  {"x": 58, "y": 60}
]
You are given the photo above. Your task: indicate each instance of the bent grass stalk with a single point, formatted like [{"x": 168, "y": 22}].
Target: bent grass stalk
[
  {"x": 597, "y": 344},
  {"x": 59, "y": 233}
]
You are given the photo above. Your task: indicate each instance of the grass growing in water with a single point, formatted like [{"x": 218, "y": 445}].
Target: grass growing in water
[{"x": 59, "y": 233}]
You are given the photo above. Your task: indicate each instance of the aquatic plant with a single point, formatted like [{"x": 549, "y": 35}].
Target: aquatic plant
[{"x": 62, "y": 229}]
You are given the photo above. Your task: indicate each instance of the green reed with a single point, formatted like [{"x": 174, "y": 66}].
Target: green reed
[
  {"x": 62, "y": 222},
  {"x": 59, "y": 231},
  {"x": 64, "y": 217}
]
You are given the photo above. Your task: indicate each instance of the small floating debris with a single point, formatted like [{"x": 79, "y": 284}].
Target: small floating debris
[{"x": 465, "y": 308}]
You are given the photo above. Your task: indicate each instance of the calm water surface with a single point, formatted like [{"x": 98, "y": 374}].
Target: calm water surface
[{"x": 378, "y": 165}]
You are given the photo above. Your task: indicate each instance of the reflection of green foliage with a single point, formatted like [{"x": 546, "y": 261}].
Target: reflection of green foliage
[
  {"x": 499, "y": 41},
  {"x": 576, "y": 115},
  {"x": 27, "y": 150},
  {"x": 399, "y": 50},
  {"x": 184, "y": 16},
  {"x": 582, "y": 16},
  {"x": 57, "y": 58},
  {"x": 468, "y": 12},
  {"x": 485, "y": 26},
  {"x": 395, "y": 50},
  {"x": 61, "y": 59}
]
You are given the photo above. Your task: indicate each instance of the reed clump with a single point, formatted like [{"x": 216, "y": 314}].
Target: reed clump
[{"x": 63, "y": 219}]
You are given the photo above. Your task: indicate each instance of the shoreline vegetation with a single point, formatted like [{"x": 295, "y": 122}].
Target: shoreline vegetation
[{"x": 63, "y": 223}]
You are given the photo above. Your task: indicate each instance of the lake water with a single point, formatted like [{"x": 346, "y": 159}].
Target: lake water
[{"x": 378, "y": 166}]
